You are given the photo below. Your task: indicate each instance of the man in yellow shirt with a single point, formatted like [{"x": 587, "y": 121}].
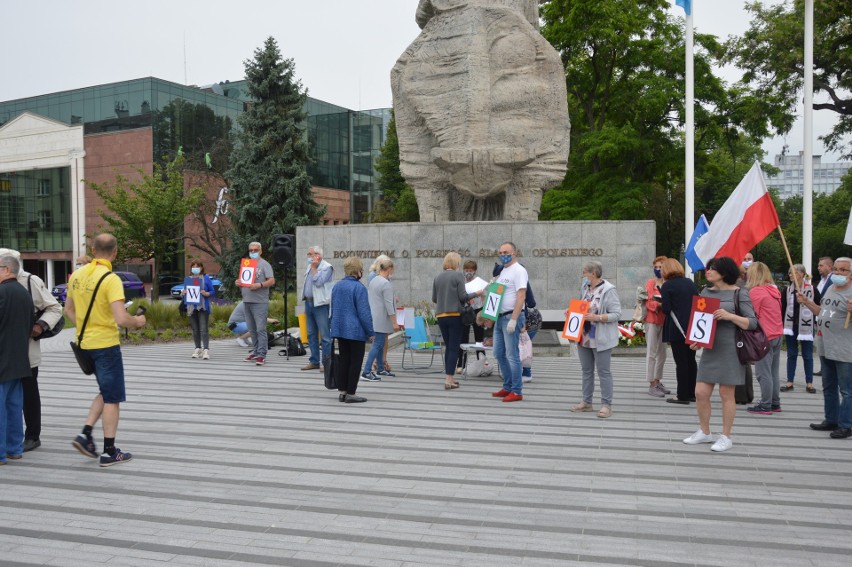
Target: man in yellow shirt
[{"x": 101, "y": 343}]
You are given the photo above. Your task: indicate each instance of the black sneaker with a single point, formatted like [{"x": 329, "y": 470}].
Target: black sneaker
[
  {"x": 108, "y": 460},
  {"x": 759, "y": 409},
  {"x": 31, "y": 444},
  {"x": 387, "y": 373},
  {"x": 85, "y": 445},
  {"x": 371, "y": 377}
]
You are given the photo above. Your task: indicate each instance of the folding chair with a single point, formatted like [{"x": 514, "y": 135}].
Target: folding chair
[{"x": 418, "y": 339}]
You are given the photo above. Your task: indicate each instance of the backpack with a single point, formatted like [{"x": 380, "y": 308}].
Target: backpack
[{"x": 50, "y": 332}]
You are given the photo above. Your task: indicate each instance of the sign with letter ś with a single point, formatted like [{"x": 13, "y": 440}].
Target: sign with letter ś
[
  {"x": 192, "y": 286},
  {"x": 577, "y": 310},
  {"x": 248, "y": 272},
  {"x": 702, "y": 326},
  {"x": 493, "y": 300}
]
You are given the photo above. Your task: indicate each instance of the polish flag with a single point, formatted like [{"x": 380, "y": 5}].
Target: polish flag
[{"x": 744, "y": 220}]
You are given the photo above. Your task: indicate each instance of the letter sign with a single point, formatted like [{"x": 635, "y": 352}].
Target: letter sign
[
  {"x": 573, "y": 330},
  {"x": 702, "y": 325},
  {"x": 248, "y": 271},
  {"x": 493, "y": 298},
  {"x": 192, "y": 286}
]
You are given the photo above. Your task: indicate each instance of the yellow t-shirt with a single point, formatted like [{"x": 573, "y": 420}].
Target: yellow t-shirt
[{"x": 101, "y": 330}]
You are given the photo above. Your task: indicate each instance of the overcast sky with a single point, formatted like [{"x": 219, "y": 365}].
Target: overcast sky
[{"x": 343, "y": 49}]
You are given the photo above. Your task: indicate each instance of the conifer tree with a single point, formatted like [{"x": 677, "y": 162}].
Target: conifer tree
[{"x": 268, "y": 181}]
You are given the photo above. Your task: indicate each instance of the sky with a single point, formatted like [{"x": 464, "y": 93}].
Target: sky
[{"x": 343, "y": 49}]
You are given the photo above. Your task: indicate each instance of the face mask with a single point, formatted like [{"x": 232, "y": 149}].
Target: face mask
[
  {"x": 658, "y": 272},
  {"x": 78, "y": 266},
  {"x": 468, "y": 276},
  {"x": 746, "y": 263},
  {"x": 254, "y": 255},
  {"x": 196, "y": 271},
  {"x": 505, "y": 258},
  {"x": 585, "y": 281},
  {"x": 838, "y": 279},
  {"x": 310, "y": 260}
]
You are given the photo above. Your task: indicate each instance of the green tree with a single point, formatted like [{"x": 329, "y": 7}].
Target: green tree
[
  {"x": 771, "y": 54},
  {"x": 268, "y": 181},
  {"x": 624, "y": 70},
  {"x": 147, "y": 217},
  {"x": 195, "y": 131},
  {"x": 397, "y": 203}
]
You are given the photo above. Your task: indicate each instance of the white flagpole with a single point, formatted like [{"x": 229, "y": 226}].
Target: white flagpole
[
  {"x": 689, "y": 171},
  {"x": 808, "y": 157}
]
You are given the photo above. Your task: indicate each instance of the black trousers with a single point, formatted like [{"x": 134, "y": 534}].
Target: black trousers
[
  {"x": 686, "y": 369},
  {"x": 32, "y": 405},
  {"x": 351, "y": 361}
]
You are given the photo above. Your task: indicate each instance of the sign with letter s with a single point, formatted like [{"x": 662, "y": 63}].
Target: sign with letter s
[{"x": 702, "y": 325}]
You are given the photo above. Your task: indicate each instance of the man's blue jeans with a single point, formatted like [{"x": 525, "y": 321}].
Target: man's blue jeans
[
  {"x": 11, "y": 418},
  {"x": 807, "y": 358},
  {"x": 377, "y": 354},
  {"x": 506, "y": 353},
  {"x": 837, "y": 391},
  {"x": 317, "y": 319}
]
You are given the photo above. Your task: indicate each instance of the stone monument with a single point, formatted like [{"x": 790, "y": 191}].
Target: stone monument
[{"x": 481, "y": 111}]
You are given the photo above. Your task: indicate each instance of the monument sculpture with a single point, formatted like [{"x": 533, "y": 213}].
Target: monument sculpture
[{"x": 481, "y": 111}]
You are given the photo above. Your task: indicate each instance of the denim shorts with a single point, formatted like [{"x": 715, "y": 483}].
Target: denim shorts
[
  {"x": 109, "y": 370},
  {"x": 240, "y": 329}
]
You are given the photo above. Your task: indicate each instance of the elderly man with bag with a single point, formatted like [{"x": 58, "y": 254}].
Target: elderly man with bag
[
  {"x": 48, "y": 313},
  {"x": 16, "y": 317}
]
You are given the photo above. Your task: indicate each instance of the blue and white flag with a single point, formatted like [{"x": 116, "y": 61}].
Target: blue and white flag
[
  {"x": 701, "y": 228},
  {"x": 686, "y": 5}
]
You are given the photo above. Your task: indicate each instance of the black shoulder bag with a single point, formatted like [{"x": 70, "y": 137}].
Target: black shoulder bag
[
  {"x": 751, "y": 345},
  {"x": 85, "y": 362},
  {"x": 331, "y": 368}
]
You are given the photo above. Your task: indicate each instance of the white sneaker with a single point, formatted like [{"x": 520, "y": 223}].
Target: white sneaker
[
  {"x": 526, "y": 379},
  {"x": 700, "y": 437},
  {"x": 205, "y": 355},
  {"x": 242, "y": 342},
  {"x": 722, "y": 444},
  {"x": 196, "y": 353}
]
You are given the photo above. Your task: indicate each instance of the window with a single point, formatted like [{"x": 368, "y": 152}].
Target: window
[
  {"x": 45, "y": 218},
  {"x": 43, "y": 188}
]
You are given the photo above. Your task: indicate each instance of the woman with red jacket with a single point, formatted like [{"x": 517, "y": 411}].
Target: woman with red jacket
[
  {"x": 653, "y": 324},
  {"x": 766, "y": 299}
]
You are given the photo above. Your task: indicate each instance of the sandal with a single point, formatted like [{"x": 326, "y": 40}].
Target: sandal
[
  {"x": 810, "y": 389},
  {"x": 605, "y": 412},
  {"x": 582, "y": 406},
  {"x": 786, "y": 387},
  {"x": 452, "y": 386}
]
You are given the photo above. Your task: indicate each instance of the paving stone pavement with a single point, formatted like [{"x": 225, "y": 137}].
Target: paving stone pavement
[{"x": 241, "y": 465}]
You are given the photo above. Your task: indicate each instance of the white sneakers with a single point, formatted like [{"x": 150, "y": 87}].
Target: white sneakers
[
  {"x": 203, "y": 354},
  {"x": 241, "y": 341},
  {"x": 700, "y": 437},
  {"x": 720, "y": 442}
]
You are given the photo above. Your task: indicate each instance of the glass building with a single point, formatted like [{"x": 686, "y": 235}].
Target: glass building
[
  {"x": 344, "y": 142},
  {"x": 42, "y": 210}
]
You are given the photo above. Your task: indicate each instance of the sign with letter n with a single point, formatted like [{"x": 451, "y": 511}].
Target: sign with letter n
[{"x": 493, "y": 299}]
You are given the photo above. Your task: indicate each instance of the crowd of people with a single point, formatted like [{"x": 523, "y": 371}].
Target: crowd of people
[{"x": 350, "y": 313}]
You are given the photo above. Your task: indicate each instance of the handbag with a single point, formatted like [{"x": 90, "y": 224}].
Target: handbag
[
  {"x": 468, "y": 315},
  {"x": 86, "y": 364},
  {"x": 331, "y": 367},
  {"x": 525, "y": 350},
  {"x": 478, "y": 366},
  {"x": 533, "y": 319},
  {"x": 751, "y": 345}
]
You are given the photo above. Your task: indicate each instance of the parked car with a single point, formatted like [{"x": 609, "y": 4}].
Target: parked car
[
  {"x": 175, "y": 291},
  {"x": 133, "y": 287}
]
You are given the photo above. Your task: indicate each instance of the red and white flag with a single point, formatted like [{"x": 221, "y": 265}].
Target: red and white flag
[{"x": 744, "y": 220}]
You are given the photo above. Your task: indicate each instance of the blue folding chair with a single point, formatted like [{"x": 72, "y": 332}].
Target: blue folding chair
[{"x": 420, "y": 340}]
